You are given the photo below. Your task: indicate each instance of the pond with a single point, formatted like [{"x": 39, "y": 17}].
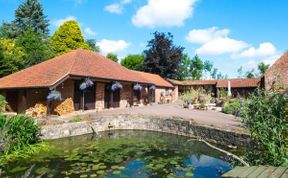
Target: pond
[{"x": 123, "y": 154}]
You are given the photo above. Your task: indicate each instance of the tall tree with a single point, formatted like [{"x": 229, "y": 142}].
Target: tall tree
[
  {"x": 197, "y": 67},
  {"x": 93, "y": 45},
  {"x": 163, "y": 57},
  {"x": 262, "y": 67},
  {"x": 251, "y": 74},
  {"x": 112, "y": 56},
  {"x": 133, "y": 62},
  {"x": 36, "y": 49},
  {"x": 11, "y": 57},
  {"x": 6, "y": 30},
  {"x": 30, "y": 15},
  {"x": 68, "y": 37},
  {"x": 185, "y": 68}
]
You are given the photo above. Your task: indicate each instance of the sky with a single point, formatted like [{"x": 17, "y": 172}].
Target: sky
[{"x": 229, "y": 33}]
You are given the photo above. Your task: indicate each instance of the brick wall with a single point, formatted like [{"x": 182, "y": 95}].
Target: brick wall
[
  {"x": 125, "y": 95},
  {"x": 100, "y": 89},
  {"x": 175, "y": 93},
  {"x": 277, "y": 75},
  {"x": 66, "y": 89}
]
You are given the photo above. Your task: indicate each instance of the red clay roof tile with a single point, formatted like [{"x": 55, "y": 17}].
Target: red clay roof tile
[
  {"x": 155, "y": 79},
  {"x": 78, "y": 62},
  {"x": 235, "y": 83},
  {"x": 239, "y": 83}
]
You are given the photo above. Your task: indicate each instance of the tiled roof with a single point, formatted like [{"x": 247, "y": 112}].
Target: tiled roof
[
  {"x": 155, "y": 79},
  {"x": 78, "y": 62},
  {"x": 200, "y": 82},
  {"x": 239, "y": 83},
  {"x": 281, "y": 63},
  {"x": 235, "y": 83},
  {"x": 192, "y": 82},
  {"x": 175, "y": 82},
  {"x": 277, "y": 74}
]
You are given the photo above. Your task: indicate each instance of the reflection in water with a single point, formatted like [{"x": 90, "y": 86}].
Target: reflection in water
[{"x": 123, "y": 154}]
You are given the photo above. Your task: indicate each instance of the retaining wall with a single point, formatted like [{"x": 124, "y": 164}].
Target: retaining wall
[{"x": 136, "y": 122}]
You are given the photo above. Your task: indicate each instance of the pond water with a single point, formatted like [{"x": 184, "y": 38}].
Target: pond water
[{"x": 123, "y": 154}]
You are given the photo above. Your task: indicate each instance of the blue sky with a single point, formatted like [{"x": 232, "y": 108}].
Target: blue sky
[{"x": 230, "y": 33}]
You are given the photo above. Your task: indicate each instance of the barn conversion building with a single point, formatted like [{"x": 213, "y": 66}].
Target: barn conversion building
[
  {"x": 242, "y": 87},
  {"x": 89, "y": 79}
]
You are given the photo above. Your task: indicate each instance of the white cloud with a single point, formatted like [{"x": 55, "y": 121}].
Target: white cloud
[
  {"x": 205, "y": 35},
  {"x": 59, "y": 22},
  {"x": 215, "y": 41},
  {"x": 107, "y": 46},
  {"x": 88, "y": 31},
  {"x": 114, "y": 8},
  {"x": 221, "y": 45},
  {"x": 163, "y": 13},
  {"x": 264, "y": 49}
]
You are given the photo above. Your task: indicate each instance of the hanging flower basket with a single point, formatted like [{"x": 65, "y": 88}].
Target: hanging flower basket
[
  {"x": 137, "y": 87},
  {"x": 152, "y": 87},
  {"x": 86, "y": 84},
  {"x": 116, "y": 85},
  {"x": 54, "y": 95}
]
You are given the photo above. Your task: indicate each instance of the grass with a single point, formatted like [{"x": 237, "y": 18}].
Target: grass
[{"x": 76, "y": 119}]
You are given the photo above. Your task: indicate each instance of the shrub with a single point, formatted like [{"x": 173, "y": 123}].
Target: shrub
[
  {"x": 20, "y": 132},
  {"x": 232, "y": 107},
  {"x": 3, "y": 104},
  {"x": 266, "y": 117},
  {"x": 196, "y": 96}
]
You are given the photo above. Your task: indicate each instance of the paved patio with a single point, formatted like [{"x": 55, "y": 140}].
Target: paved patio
[{"x": 201, "y": 117}]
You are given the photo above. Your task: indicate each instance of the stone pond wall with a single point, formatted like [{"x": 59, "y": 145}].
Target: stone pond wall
[{"x": 137, "y": 122}]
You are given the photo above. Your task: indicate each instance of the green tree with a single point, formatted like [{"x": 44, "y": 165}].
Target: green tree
[
  {"x": 36, "y": 49},
  {"x": 262, "y": 67},
  {"x": 214, "y": 73},
  {"x": 185, "y": 68},
  {"x": 197, "y": 68},
  {"x": 162, "y": 56},
  {"x": 11, "y": 57},
  {"x": 251, "y": 74},
  {"x": 133, "y": 62},
  {"x": 30, "y": 15},
  {"x": 6, "y": 30},
  {"x": 112, "y": 56},
  {"x": 68, "y": 37},
  {"x": 93, "y": 45},
  {"x": 240, "y": 72}
]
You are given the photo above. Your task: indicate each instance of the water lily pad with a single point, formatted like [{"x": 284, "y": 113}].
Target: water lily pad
[
  {"x": 100, "y": 172},
  {"x": 116, "y": 172},
  {"x": 189, "y": 174},
  {"x": 93, "y": 175}
]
